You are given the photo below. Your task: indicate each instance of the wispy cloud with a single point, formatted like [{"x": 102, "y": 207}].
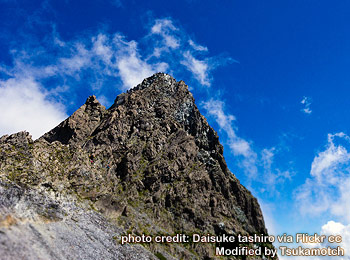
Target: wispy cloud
[
  {"x": 257, "y": 165},
  {"x": 112, "y": 55},
  {"x": 165, "y": 28},
  {"x": 328, "y": 188},
  {"x": 196, "y": 46},
  {"x": 131, "y": 67},
  {"x": 239, "y": 146},
  {"x": 199, "y": 68},
  {"x": 170, "y": 41},
  {"x": 306, "y": 102},
  {"x": 272, "y": 174},
  {"x": 55, "y": 70}
]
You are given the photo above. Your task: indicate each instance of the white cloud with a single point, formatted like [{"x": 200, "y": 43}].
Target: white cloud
[
  {"x": 328, "y": 188},
  {"x": 25, "y": 106},
  {"x": 332, "y": 228},
  {"x": 197, "y": 47},
  {"x": 199, "y": 68},
  {"x": 175, "y": 40},
  {"x": 238, "y": 145},
  {"x": 132, "y": 69},
  {"x": 162, "y": 25},
  {"x": 72, "y": 65},
  {"x": 326, "y": 163},
  {"x": 102, "y": 49},
  {"x": 337, "y": 228},
  {"x": 165, "y": 28},
  {"x": 306, "y": 101},
  {"x": 110, "y": 55},
  {"x": 114, "y": 56}
]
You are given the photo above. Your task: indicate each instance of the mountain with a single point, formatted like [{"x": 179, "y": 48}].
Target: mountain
[{"x": 150, "y": 164}]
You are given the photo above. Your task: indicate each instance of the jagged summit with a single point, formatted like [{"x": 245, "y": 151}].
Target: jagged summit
[
  {"x": 150, "y": 164},
  {"x": 166, "y": 79},
  {"x": 165, "y": 85}
]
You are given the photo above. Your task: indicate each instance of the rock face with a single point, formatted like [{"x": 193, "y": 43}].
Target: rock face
[{"x": 150, "y": 164}]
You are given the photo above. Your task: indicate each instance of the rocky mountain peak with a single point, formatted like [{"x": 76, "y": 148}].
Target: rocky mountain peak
[
  {"x": 162, "y": 80},
  {"x": 78, "y": 126},
  {"x": 91, "y": 101},
  {"x": 149, "y": 164}
]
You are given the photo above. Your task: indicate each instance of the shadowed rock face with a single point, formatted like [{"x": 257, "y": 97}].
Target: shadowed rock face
[
  {"x": 78, "y": 126},
  {"x": 150, "y": 164}
]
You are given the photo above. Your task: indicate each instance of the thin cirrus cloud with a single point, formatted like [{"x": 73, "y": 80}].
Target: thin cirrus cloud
[
  {"x": 258, "y": 165},
  {"x": 306, "y": 102},
  {"x": 272, "y": 174},
  {"x": 166, "y": 29},
  {"x": 239, "y": 146},
  {"x": 199, "y": 68},
  {"x": 197, "y": 47},
  {"x": 55, "y": 71}
]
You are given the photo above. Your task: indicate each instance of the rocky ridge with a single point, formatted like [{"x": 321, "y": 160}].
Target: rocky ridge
[{"x": 150, "y": 164}]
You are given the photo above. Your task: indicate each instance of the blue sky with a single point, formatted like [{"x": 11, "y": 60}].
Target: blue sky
[{"x": 272, "y": 77}]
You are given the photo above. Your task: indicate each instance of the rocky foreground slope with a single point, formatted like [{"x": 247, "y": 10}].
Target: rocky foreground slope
[{"x": 149, "y": 165}]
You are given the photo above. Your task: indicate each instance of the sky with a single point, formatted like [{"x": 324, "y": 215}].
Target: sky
[{"x": 272, "y": 78}]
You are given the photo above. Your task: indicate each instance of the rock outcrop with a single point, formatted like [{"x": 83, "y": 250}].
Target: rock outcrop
[{"x": 150, "y": 164}]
